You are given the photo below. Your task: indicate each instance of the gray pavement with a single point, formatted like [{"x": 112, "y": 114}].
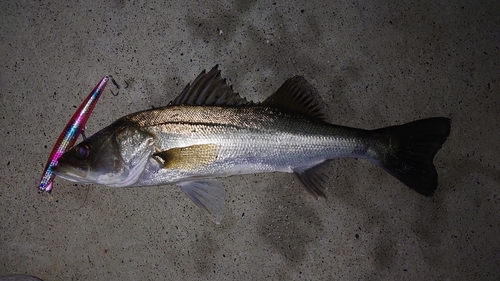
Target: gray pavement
[{"x": 375, "y": 63}]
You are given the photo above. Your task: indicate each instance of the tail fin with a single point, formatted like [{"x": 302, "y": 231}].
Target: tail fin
[{"x": 407, "y": 152}]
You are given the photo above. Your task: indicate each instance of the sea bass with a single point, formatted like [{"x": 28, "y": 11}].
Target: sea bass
[{"x": 209, "y": 131}]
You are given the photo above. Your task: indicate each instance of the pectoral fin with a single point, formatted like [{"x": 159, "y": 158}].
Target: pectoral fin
[
  {"x": 209, "y": 195},
  {"x": 189, "y": 157}
]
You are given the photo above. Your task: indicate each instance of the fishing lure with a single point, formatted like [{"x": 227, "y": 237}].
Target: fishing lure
[{"x": 70, "y": 134}]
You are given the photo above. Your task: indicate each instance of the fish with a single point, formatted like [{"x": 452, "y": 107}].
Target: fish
[
  {"x": 209, "y": 131},
  {"x": 69, "y": 135}
]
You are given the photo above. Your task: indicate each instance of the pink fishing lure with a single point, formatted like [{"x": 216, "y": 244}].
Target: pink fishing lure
[{"x": 70, "y": 134}]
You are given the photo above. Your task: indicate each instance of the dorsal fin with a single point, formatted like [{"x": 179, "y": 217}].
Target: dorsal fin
[
  {"x": 297, "y": 95},
  {"x": 210, "y": 89}
]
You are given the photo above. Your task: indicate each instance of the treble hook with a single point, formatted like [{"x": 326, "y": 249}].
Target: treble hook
[{"x": 116, "y": 84}]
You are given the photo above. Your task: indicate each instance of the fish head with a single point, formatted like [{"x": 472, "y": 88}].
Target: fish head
[{"x": 115, "y": 156}]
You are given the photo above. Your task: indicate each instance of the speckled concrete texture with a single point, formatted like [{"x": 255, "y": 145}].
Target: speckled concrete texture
[{"x": 375, "y": 63}]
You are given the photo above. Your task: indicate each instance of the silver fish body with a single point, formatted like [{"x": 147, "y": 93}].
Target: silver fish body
[
  {"x": 245, "y": 140},
  {"x": 209, "y": 131}
]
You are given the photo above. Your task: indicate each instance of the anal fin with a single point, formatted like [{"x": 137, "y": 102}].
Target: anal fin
[{"x": 313, "y": 179}]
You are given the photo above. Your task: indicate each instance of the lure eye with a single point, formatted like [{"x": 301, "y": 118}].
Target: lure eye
[{"x": 82, "y": 151}]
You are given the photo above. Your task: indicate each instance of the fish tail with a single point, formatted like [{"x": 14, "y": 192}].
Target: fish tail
[{"x": 407, "y": 152}]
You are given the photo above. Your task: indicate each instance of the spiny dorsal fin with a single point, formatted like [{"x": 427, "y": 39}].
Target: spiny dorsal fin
[
  {"x": 297, "y": 95},
  {"x": 210, "y": 89}
]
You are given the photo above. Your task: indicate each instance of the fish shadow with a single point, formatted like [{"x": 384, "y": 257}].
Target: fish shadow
[{"x": 289, "y": 222}]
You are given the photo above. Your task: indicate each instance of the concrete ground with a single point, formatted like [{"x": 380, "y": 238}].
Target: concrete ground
[{"x": 375, "y": 63}]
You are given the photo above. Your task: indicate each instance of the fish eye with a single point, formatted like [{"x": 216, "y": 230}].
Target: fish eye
[{"x": 82, "y": 151}]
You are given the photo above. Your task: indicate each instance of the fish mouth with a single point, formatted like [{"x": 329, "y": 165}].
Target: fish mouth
[{"x": 71, "y": 174}]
